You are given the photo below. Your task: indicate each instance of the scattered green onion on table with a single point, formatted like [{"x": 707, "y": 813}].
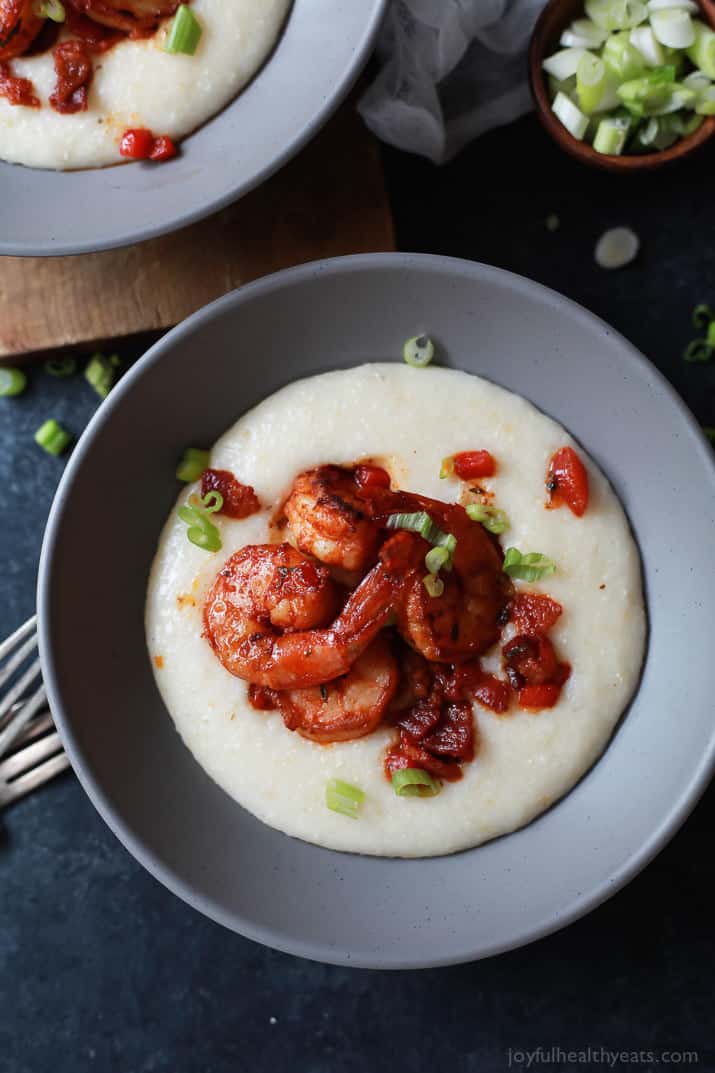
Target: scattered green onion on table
[
  {"x": 12, "y": 381},
  {"x": 51, "y": 437},
  {"x": 633, "y": 77}
]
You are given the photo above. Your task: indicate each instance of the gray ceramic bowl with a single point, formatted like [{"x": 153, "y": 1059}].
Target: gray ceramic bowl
[
  {"x": 322, "y": 50},
  {"x": 102, "y": 533}
]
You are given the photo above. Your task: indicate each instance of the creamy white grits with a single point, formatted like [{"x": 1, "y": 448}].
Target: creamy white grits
[
  {"x": 138, "y": 84},
  {"x": 411, "y": 419}
]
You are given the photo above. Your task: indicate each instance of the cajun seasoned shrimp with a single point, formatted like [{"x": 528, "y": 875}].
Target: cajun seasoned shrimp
[
  {"x": 129, "y": 15},
  {"x": 19, "y": 26},
  {"x": 328, "y": 518},
  {"x": 266, "y": 589},
  {"x": 348, "y": 707},
  {"x": 462, "y": 622}
]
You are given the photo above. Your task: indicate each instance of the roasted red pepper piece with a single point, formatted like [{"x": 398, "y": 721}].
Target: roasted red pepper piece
[
  {"x": 468, "y": 465},
  {"x": 567, "y": 481},
  {"x": 533, "y": 613}
]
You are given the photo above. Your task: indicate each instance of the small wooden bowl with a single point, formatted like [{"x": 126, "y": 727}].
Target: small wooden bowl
[{"x": 544, "y": 41}]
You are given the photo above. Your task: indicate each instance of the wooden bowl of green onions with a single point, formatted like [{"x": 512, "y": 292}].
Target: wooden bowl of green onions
[{"x": 625, "y": 85}]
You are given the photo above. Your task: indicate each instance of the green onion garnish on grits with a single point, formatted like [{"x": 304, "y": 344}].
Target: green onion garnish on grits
[
  {"x": 202, "y": 532},
  {"x": 12, "y": 381},
  {"x": 418, "y": 351},
  {"x": 343, "y": 798},
  {"x": 420, "y": 522},
  {"x": 50, "y": 9},
  {"x": 101, "y": 374},
  {"x": 434, "y": 585},
  {"x": 185, "y": 32},
  {"x": 527, "y": 567},
  {"x": 193, "y": 463},
  {"x": 61, "y": 367},
  {"x": 493, "y": 519},
  {"x": 413, "y": 782},
  {"x": 51, "y": 437}
]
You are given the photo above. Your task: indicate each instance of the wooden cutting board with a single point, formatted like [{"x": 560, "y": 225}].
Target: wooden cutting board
[{"x": 330, "y": 200}]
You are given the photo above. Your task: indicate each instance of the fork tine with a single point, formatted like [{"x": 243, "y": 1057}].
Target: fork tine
[
  {"x": 23, "y": 717},
  {"x": 33, "y": 779},
  {"x": 33, "y": 730},
  {"x": 17, "y": 658},
  {"x": 30, "y": 756},
  {"x": 21, "y": 632},
  {"x": 19, "y": 688}
]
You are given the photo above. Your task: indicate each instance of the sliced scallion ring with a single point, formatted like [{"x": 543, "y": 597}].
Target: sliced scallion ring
[
  {"x": 563, "y": 65},
  {"x": 436, "y": 559},
  {"x": 12, "y": 381},
  {"x": 53, "y": 10},
  {"x": 531, "y": 566},
  {"x": 64, "y": 366},
  {"x": 493, "y": 519},
  {"x": 434, "y": 585},
  {"x": 413, "y": 782},
  {"x": 185, "y": 32},
  {"x": 573, "y": 119},
  {"x": 51, "y": 437},
  {"x": 101, "y": 374},
  {"x": 343, "y": 798},
  {"x": 698, "y": 350},
  {"x": 201, "y": 531},
  {"x": 418, "y": 351},
  {"x": 193, "y": 463},
  {"x": 702, "y": 51},
  {"x": 420, "y": 522},
  {"x": 673, "y": 27},
  {"x": 644, "y": 41},
  {"x": 703, "y": 316}
]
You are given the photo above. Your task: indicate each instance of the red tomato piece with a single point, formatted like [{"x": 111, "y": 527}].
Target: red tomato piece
[
  {"x": 137, "y": 144},
  {"x": 239, "y": 500},
  {"x": 491, "y": 692},
  {"x": 164, "y": 148},
  {"x": 537, "y": 697},
  {"x": 532, "y": 613},
  {"x": 367, "y": 476},
  {"x": 567, "y": 481},
  {"x": 17, "y": 90},
  {"x": 530, "y": 660},
  {"x": 469, "y": 465}
]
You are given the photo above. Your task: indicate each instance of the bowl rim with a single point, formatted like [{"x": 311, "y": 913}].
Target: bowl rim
[
  {"x": 68, "y": 246},
  {"x": 698, "y": 778},
  {"x": 582, "y": 150}
]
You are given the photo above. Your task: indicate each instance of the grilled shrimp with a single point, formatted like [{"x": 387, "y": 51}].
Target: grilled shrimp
[
  {"x": 19, "y": 26},
  {"x": 462, "y": 622},
  {"x": 268, "y": 611},
  {"x": 128, "y": 15},
  {"x": 327, "y": 518},
  {"x": 348, "y": 707}
]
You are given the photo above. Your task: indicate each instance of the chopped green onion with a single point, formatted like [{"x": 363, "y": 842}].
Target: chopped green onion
[
  {"x": 185, "y": 32},
  {"x": 594, "y": 85},
  {"x": 611, "y": 136},
  {"x": 202, "y": 532},
  {"x": 703, "y": 316},
  {"x": 687, "y": 126},
  {"x": 418, "y": 351},
  {"x": 573, "y": 119},
  {"x": 343, "y": 798},
  {"x": 101, "y": 374},
  {"x": 436, "y": 558},
  {"x": 12, "y": 381},
  {"x": 705, "y": 103},
  {"x": 193, "y": 463},
  {"x": 616, "y": 248},
  {"x": 50, "y": 9},
  {"x": 673, "y": 27},
  {"x": 583, "y": 33},
  {"x": 564, "y": 64},
  {"x": 420, "y": 522},
  {"x": 529, "y": 567},
  {"x": 698, "y": 350},
  {"x": 710, "y": 336},
  {"x": 702, "y": 52},
  {"x": 616, "y": 14},
  {"x": 622, "y": 58},
  {"x": 496, "y": 521},
  {"x": 51, "y": 437},
  {"x": 65, "y": 366},
  {"x": 447, "y": 468},
  {"x": 413, "y": 782},
  {"x": 659, "y": 5},
  {"x": 644, "y": 41},
  {"x": 434, "y": 585}
]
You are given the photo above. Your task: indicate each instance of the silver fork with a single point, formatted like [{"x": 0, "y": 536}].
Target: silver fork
[
  {"x": 37, "y": 758},
  {"x": 16, "y": 707},
  {"x": 36, "y": 755}
]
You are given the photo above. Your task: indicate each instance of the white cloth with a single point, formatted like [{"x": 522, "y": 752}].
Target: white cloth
[{"x": 450, "y": 70}]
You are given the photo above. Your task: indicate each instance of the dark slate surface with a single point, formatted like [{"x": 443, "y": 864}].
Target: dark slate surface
[{"x": 102, "y": 970}]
